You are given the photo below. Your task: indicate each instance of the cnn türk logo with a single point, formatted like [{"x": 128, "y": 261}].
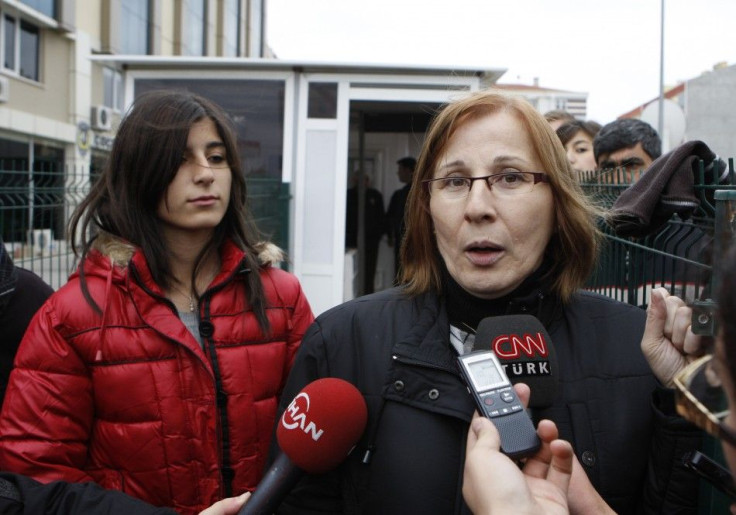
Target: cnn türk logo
[
  {"x": 512, "y": 346},
  {"x": 522, "y": 355},
  {"x": 296, "y": 417}
]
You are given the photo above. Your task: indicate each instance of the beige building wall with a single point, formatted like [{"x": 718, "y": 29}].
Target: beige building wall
[
  {"x": 70, "y": 85},
  {"x": 167, "y": 17}
]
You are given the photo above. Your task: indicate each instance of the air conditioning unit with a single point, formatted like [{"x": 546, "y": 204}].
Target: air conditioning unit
[
  {"x": 101, "y": 118},
  {"x": 4, "y": 89}
]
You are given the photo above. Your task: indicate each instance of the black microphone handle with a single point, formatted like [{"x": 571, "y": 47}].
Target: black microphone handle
[{"x": 281, "y": 477}]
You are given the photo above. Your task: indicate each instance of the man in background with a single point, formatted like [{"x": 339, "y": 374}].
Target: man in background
[
  {"x": 395, "y": 212},
  {"x": 374, "y": 228},
  {"x": 626, "y": 146},
  {"x": 21, "y": 294}
]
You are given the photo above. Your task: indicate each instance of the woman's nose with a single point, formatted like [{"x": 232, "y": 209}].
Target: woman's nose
[
  {"x": 203, "y": 172},
  {"x": 480, "y": 202}
]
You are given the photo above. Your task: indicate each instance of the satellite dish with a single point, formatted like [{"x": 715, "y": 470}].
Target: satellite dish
[{"x": 674, "y": 122}]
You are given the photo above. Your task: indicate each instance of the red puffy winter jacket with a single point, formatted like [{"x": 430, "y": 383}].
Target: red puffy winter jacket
[{"x": 130, "y": 400}]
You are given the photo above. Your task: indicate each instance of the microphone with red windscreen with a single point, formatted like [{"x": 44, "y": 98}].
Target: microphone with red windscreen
[
  {"x": 316, "y": 433},
  {"x": 526, "y": 352}
]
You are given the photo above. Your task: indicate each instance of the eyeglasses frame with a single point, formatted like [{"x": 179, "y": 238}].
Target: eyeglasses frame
[
  {"x": 691, "y": 409},
  {"x": 538, "y": 177}
]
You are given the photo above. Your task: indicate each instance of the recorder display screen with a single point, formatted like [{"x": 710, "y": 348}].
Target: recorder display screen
[{"x": 485, "y": 374}]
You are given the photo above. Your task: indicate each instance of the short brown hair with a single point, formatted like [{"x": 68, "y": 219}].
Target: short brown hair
[{"x": 574, "y": 245}]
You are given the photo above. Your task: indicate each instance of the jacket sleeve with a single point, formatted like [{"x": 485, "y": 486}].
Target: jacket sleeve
[
  {"x": 22, "y": 495},
  {"x": 48, "y": 408},
  {"x": 314, "y": 493},
  {"x": 670, "y": 487}
]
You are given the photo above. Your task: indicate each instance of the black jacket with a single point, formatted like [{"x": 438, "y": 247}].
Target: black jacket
[
  {"x": 396, "y": 350},
  {"x": 16, "y": 312},
  {"x": 20, "y": 495}
]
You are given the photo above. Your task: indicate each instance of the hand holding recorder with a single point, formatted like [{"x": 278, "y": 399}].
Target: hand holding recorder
[{"x": 493, "y": 483}]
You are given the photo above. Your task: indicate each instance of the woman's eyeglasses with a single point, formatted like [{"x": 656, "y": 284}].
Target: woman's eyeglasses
[
  {"x": 505, "y": 184},
  {"x": 701, "y": 399}
]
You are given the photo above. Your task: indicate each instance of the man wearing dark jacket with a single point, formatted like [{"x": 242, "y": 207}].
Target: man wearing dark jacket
[
  {"x": 21, "y": 294},
  {"x": 374, "y": 228},
  {"x": 395, "y": 212},
  {"x": 20, "y": 495}
]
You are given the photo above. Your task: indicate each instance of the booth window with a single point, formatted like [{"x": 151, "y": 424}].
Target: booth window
[{"x": 322, "y": 101}]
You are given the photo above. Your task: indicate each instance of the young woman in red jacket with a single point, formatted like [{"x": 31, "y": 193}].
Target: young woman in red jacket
[{"x": 157, "y": 369}]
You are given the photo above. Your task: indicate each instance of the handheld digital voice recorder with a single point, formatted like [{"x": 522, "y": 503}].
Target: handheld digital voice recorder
[{"x": 496, "y": 399}]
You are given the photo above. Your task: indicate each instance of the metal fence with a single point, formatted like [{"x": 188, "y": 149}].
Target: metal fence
[
  {"x": 678, "y": 256},
  {"x": 36, "y": 205}
]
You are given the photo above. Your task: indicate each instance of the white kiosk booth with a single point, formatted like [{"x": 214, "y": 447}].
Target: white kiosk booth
[{"x": 305, "y": 126}]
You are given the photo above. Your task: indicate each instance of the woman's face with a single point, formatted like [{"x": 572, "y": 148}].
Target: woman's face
[
  {"x": 580, "y": 152},
  {"x": 491, "y": 244},
  {"x": 196, "y": 200}
]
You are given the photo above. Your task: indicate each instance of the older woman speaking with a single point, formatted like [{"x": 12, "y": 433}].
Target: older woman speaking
[{"x": 496, "y": 225}]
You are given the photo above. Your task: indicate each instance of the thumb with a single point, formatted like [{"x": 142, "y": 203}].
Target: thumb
[
  {"x": 656, "y": 318},
  {"x": 228, "y": 506},
  {"x": 487, "y": 434}
]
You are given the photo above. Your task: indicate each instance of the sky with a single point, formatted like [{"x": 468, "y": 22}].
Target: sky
[{"x": 607, "y": 48}]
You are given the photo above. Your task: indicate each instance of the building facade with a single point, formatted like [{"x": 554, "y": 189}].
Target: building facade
[
  {"x": 71, "y": 69},
  {"x": 59, "y": 108},
  {"x": 551, "y": 99}
]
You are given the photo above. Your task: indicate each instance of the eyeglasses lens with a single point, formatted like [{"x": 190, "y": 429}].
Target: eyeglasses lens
[{"x": 705, "y": 386}]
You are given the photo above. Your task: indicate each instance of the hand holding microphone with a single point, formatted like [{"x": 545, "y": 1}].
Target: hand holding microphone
[{"x": 315, "y": 434}]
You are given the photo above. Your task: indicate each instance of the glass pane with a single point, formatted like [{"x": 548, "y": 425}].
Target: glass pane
[
  {"x": 256, "y": 108},
  {"x": 134, "y": 27},
  {"x": 108, "y": 87},
  {"x": 14, "y": 190},
  {"x": 9, "y": 27},
  {"x": 28, "y": 51},
  {"x": 322, "y": 102},
  {"x": 43, "y": 6},
  {"x": 193, "y": 28},
  {"x": 48, "y": 180},
  {"x": 231, "y": 32},
  {"x": 119, "y": 91}
]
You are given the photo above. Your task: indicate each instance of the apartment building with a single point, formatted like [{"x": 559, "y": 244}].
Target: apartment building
[
  {"x": 59, "y": 108},
  {"x": 549, "y": 99}
]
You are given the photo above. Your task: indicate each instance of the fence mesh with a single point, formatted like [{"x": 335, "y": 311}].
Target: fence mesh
[
  {"x": 35, "y": 207},
  {"x": 678, "y": 256}
]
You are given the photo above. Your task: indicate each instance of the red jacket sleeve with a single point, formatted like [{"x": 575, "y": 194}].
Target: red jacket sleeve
[{"x": 46, "y": 416}]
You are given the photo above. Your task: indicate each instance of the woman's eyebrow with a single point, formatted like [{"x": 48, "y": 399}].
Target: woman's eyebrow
[
  {"x": 452, "y": 164},
  {"x": 210, "y": 145}
]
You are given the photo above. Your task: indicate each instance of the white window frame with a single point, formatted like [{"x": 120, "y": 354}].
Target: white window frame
[
  {"x": 17, "y": 57},
  {"x": 118, "y": 89}
]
